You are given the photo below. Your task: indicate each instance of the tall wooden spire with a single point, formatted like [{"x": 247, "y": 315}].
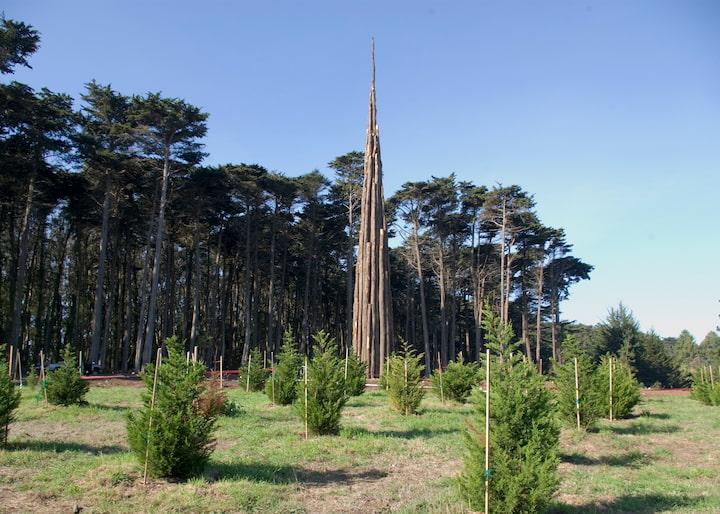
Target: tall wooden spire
[{"x": 372, "y": 307}]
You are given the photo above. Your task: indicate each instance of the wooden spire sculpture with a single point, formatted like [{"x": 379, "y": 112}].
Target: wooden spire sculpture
[{"x": 372, "y": 306}]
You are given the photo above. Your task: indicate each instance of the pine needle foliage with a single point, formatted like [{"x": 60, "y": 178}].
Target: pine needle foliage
[
  {"x": 356, "y": 370},
  {"x": 181, "y": 438},
  {"x": 524, "y": 435},
  {"x": 458, "y": 380},
  {"x": 288, "y": 367},
  {"x": 704, "y": 389},
  {"x": 564, "y": 378},
  {"x": 403, "y": 380},
  {"x": 626, "y": 389},
  {"x": 9, "y": 398},
  {"x": 326, "y": 391},
  {"x": 256, "y": 371},
  {"x": 65, "y": 385}
]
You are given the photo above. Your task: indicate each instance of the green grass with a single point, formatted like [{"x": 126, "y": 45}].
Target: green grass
[{"x": 663, "y": 460}]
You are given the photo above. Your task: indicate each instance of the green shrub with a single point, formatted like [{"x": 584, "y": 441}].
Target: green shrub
[
  {"x": 457, "y": 380},
  {"x": 9, "y": 398},
  {"x": 288, "y": 366},
  {"x": 325, "y": 388},
  {"x": 356, "y": 369},
  {"x": 564, "y": 378},
  {"x": 256, "y": 371},
  {"x": 403, "y": 380},
  {"x": 180, "y": 441},
  {"x": 704, "y": 389},
  {"x": 65, "y": 385},
  {"x": 626, "y": 390},
  {"x": 524, "y": 436}
]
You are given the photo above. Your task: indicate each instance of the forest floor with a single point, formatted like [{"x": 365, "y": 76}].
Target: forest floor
[{"x": 665, "y": 459}]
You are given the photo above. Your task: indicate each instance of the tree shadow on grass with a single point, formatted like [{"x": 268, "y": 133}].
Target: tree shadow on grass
[
  {"x": 643, "y": 429},
  {"x": 415, "y": 433},
  {"x": 635, "y": 504},
  {"x": 114, "y": 408},
  {"x": 64, "y": 446},
  {"x": 261, "y": 472},
  {"x": 631, "y": 459}
]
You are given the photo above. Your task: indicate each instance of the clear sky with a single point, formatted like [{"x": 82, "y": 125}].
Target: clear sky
[{"x": 608, "y": 111}]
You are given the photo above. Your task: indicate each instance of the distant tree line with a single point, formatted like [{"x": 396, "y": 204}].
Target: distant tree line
[
  {"x": 115, "y": 236},
  {"x": 668, "y": 361}
]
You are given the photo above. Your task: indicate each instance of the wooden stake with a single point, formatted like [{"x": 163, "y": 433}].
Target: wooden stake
[
  {"x": 195, "y": 354},
  {"x": 577, "y": 394},
  {"x": 347, "y": 354},
  {"x": 42, "y": 375},
  {"x": 487, "y": 431},
  {"x": 152, "y": 407},
  {"x": 272, "y": 370},
  {"x": 80, "y": 366},
  {"x": 10, "y": 363},
  {"x": 247, "y": 382},
  {"x": 187, "y": 358},
  {"x": 611, "y": 366},
  {"x": 221, "y": 372},
  {"x": 712, "y": 377},
  {"x": 306, "y": 397},
  {"x": 264, "y": 359},
  {"x": 19, "y": 366},
  {"x": 442, "y": 393},
  {"x": 407, "y": 407}
]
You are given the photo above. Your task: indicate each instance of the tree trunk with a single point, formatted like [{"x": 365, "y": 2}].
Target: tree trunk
[
  {"x": 423, "y": 303},
  {"x": 22, "y": 266},
  {"x": 150, "y": 331},
  {"x": 97, "y": 330}
]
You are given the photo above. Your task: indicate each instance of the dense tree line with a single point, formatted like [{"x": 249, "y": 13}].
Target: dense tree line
[{"x": 115, "y": 236}]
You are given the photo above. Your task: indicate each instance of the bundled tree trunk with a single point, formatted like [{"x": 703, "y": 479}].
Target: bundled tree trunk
[{"x": 372, "y": 308}]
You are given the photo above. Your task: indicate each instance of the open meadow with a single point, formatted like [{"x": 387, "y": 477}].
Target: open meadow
[{"x": 666, "y": 458}]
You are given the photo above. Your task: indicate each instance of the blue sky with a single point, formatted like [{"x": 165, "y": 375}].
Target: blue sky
[{"x": 609, "y": 112}]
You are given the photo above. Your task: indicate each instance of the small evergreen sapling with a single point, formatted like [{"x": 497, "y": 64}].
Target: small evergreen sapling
[
  {"x": 325, "y": 388},
  {"x": 564, "y": 378},
  {"x": 356, "y": 369},
  {"x": 626, "y": 390},
  {"x": 524, "y": 436},
  {"x": 9, "y": 398},
  {"x": 288, "y": 366},
  {"x": 255, "y": 371},
  {"x": 458, "y": 380},
  {"x": 65, "y": 385},
  {"x": 403, "y": 380},
  {"x": 180, "y": 441}
]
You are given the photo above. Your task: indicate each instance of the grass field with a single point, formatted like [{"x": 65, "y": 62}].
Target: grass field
[{"x": 665, "y": 459}]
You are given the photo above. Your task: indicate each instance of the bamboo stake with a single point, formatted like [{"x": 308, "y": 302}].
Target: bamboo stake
[
  {"x": 247, "y": 382},
  {"x": 712, "y": 377},
  {"x": 80, "y": 366},
  {"x": 152, "y": 407},
  {"x": 221, "y": 372},
  {"x": 442, "y": 393},
  {"x": 577, "y": 394},
  {"x": 272, "y": 380},
  {"x": 10, "y": 364},
  {"x": 306, "y": 397},
  {"x": 611, "y": 388},
  {"x": 487, "y": 431},
  {"x": 187, "y": 358},
  {"x": 702, "y": 375},
  {"x": 195, "y": 350},
  {"x": 264, "y": 359}
]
